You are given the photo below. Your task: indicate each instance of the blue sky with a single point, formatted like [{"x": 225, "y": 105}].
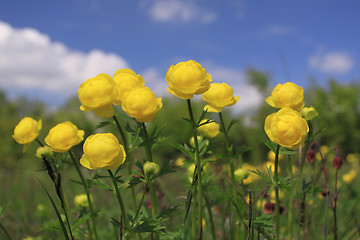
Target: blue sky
[{"x": 48, "y": 48}]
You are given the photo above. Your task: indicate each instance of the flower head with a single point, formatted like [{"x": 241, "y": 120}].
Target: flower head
[
  {"x": 97, "y": 94},
  {"x": 102, "y": 150},
  {"x": 142, "y": 104},
  {"x": 287, "y": 128},
  {"x": 81, "y": 200},
  {"x": 151, "y": 168},
  {"x": 187, "y": 78},
  {"x": 27, "y": 130},
  {"x": 125, "y": 80},
  {"x": 209, "y": 130},
  {"x": 241, "y": 174},
  {"x": 64, "y": 136},
  {"x": 287, "y": 95},
  {"x": 219, "y": 96}
]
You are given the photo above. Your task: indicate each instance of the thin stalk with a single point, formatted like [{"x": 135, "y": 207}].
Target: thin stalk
[
  {"x": 232, "y": 170},
  {"x": 277, "y": 207},
  {"x": 126, "y": 148},
  {"x": 5, "y": 231},
  {"x": 291, "y": 202},
  {"x": 334, "y": 206},
  {"x": 138, "y": 209},
  {"x": 87, "y": 192},
  {"x": 198, "y": 166},
  {"x": 118, "y": 196},
  {"x": 211, "y": 220},
  {"x": 150, "y": 159}
]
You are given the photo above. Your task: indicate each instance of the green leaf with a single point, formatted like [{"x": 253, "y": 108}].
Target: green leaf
[
  {"x": 167, "y": 167},
  {"x": 80, "y": 221},
  {"x": 233, "y": 121},
  {"x": 99, "y": 183},
  {"x": 191, "y": 122},
  {"x": 103, "y": 124},
  {"x": 149, "y": 224},
  {"x": 184, "y": 149},
  {"x": 57, "y": 213},
  {"x": 202, "y": 116},
  {"x": 166, "y": 211}
]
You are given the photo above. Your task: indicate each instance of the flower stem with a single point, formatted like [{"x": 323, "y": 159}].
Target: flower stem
[
  {"x": 277, "y": 207},
  {"x": 5, "y": 231},
  {"x": 87, "y": 192},
  {"x": 198, "y": 166},
  {"x": 126, "y": 148},
  {"x": 121, "y": 204},
  {"x": 232, "y": 170},
  {"x": 211, "y": 220}
]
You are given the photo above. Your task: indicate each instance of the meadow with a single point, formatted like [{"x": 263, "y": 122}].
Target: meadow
[{"x": 176, "y": 169}]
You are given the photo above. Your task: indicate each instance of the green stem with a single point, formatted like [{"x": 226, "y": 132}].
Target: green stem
[
  {"x": 211, "y": 220},
  {"x": 277, "y": 207},
  {"x": 118, "y": 196},
  {"x": 198, "y": 166},
  {"x": 126, "y": 148},
  {"x": 87, "y": 192},
  {"x": 5, "y": 231},
  {"x": 138, "y": 209}
]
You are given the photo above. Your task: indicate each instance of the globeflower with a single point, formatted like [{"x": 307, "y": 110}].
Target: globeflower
[
  {"x": 286, "y": 128},
  {"x": 287, "y": 95},
  {"x": 219, "y": 96},
  {"x": 309, "y": 113},
  {"x": 97, "y": 94},
  {"x": 81, "y": 200},
  {"x": 210, "y": 130},
  {"x": 102, "y": 150},
  {"x": 64, "y": 136},
  {"x": 187, "y": 78},
  {"x": 142, "y": 104},
  {"x": 27, "y": 130},
  {"x": 125, "y": 80}
]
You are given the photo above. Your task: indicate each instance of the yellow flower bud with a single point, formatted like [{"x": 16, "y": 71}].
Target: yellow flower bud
[
  {"x": 218, "y": 96},
  {"x": 187, "y": 78},
  {"x": 309, "y": 113},
  {"x": 209, "y": 130},
  {"x": 64, "y": 136},
  {"x": 350, "y": 176},
  {"x": 97, "y": 94},
  {"x": 142, "y": 104},
  {"x": 287, "y": 95},
  {"x": 27, "y": 130},
  {"x": 81, "y": 200},
  {"x": 151, "y": 168},
  {"x": 241, "y": 174},
  {"x": 287, "y": 128},
  {"x": 125, "y": 80},
  {"x": 43, "y": 151},
  {"x": 102, "y": 150},
  {"x": 179, "y": 161}
]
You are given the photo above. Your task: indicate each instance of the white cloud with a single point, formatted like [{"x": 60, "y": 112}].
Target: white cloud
[
  {"x": 30, "y": 60},
  {"x": 178, "y": 10},
  {"x": 155, "y": 81},
  {"x": 332, "y": 62}
]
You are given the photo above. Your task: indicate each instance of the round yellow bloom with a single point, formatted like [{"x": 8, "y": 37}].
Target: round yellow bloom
[
  {"x": 309, "y": 113},
  {"x": 287, "y": 128},
  {"x": 81, "y": 200},
  {"x": 142, "y": 104},
  {"x": 125, "y": 80},
  {"x": 210, "y": 130},
  {"x": 27, "y": 130},
  {"x": 97, "y": 94},
  {"x": 151, "y": 168},
  {"x": 64, "y": 136},
  {"x": 187, "y": 78},
  {"x": 102, "y": 150},
  {"x": 218, "y": 96},
  {"x": 287, "y": 95},
  {"x": 43, "y": 151},
  {"x": 180, "y": 161}
]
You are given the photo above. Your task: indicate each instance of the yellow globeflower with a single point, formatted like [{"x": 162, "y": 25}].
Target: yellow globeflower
[
  {"x": 64, "y": 136},
  {"x": 287, "y": 128},
  {"x": 125, "y": 80},
  {"x": 309, "y": 113},
  {"x": 241, "y": 174},
  {"x": 27, "y": 130},
  {"x": 97, "y": 94},
  {"x": 287, "y": 95},
  {"x": 350, "y": 176},
  {"x": 209, "y": 130},
  {"x": 102, "y": 150},
  {"x": 142, "y": 104},
  {"x": 187, "y": 78},
  {"x": 81, "y": 200},
  {"x": 219, "y": 96}
]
